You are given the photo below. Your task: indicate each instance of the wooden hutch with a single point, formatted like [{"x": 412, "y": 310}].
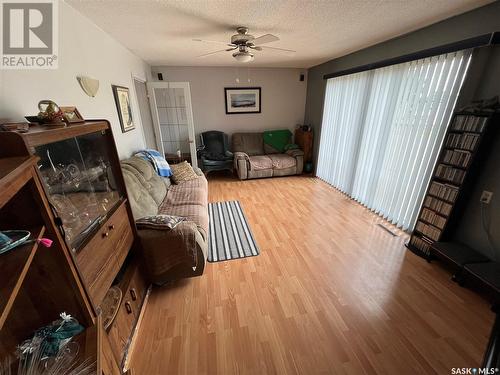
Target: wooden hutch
[{"x": 81, "y": 203}]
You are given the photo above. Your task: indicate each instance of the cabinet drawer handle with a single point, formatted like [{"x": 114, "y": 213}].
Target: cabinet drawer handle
[
  {"x": 133, "y": 294},
  {"x": 105, "y": 234},
  {"x": 111, "y": 227},
  {"x": 128, "y": 307}
]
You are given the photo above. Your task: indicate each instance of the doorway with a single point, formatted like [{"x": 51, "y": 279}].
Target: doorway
[
  {"x": 145, "y": 112},
  {"x": 173, "y": 120}
]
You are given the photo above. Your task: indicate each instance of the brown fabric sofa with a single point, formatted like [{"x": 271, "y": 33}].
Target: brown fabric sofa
[
  {"x": 255, "y": 159},
  {"x": 180, "y": 252}
]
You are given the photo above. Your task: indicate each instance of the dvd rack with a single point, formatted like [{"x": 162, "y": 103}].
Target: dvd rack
[{"x": 459, "y": 150}]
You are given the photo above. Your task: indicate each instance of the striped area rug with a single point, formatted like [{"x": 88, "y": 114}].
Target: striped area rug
[{"x": 230, "y": 236}]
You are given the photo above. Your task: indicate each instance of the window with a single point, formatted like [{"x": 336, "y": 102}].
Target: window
[{"x": 382, "y": 131}]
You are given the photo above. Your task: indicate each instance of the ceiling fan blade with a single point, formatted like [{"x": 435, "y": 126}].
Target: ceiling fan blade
[
  {"x": 267, "y": 38},
  {"x": 257, "y": 48},
  {"x": 280, "y": 50},
  {"x": 213, "y": 53},
  {"x": 213, "y": 41}
]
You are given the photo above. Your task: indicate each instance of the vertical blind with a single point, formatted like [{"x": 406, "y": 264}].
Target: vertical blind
[{"x": 382, "y": 131}]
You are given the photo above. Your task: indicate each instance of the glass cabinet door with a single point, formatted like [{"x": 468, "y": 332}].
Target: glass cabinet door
[{"x": 79, "y": 182}]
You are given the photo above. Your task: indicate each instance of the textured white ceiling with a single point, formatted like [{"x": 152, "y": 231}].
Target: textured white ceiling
[{"x": 161, "y": 32}]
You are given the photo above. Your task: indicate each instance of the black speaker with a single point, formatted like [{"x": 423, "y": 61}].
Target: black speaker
[
  {"x": 160, "y": 77},
  {"x": 302, "y": 77}
]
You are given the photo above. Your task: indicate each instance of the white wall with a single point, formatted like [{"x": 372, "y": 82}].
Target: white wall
[
  {"x": 84, "y": 49},
  {"x": 283, "y": 96}
]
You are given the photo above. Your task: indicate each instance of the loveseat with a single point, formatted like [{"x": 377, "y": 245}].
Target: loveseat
[
  {"x": 179, "y": 252},
  {"x": 255, "y": 159}
]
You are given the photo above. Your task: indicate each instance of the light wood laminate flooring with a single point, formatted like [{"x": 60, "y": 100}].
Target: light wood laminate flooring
[{"x": 330, "y": 293}]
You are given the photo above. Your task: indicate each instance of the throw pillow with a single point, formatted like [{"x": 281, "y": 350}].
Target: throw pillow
[
  {"x": 182, "y": 172},
  {"x": 160, "y": 222}
]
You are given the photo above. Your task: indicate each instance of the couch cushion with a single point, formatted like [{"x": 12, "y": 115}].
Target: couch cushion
[
  {"x": 189, "y": 200},
  {"x": 141, "y": 201},
  {"x": 270, "y": 149},
  {"x": 249, "y": 143},
  {"x": 167, "y": 182},
  {"x": 260, "y": 162},
  {"x": 148, "y": 178},
  {"x": 282, "y": 161}
]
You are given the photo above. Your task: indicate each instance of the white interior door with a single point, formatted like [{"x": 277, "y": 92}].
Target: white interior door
[{"x": 173, "y": 118}]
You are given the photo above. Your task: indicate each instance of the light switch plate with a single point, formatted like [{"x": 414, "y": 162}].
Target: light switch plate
[{"x": 486, "y": 197}]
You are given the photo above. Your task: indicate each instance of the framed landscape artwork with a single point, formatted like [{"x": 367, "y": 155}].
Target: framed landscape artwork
[
  {"x": 242, "y": 100},
  {"x": 122, "y": 100}
]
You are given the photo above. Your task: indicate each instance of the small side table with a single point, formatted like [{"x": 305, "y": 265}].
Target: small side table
[
  {"x": 459, "y": 255},
  {"x": 175, "y": 159},
  {"x": 488, "y": 273},
  {"x": 305, "y": 141}
]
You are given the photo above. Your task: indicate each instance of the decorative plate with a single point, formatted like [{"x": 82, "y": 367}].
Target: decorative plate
[{"x": 110, "y": 305}]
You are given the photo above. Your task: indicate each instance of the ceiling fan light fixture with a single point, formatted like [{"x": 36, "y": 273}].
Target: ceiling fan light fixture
[
  {"x": 243, "y": 57},
  {"x": 243, "y": 42}
]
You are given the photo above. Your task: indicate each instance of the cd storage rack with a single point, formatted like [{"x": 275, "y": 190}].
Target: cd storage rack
[{"x": 452, "y": 174}]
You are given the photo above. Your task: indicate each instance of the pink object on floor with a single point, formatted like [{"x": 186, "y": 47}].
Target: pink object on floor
[{"x": 45, "y": 242}]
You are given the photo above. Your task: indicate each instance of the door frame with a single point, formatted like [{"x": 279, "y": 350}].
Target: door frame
[
  {"x": 141, "y": 79},
  {"x": 189, "y": 114}
]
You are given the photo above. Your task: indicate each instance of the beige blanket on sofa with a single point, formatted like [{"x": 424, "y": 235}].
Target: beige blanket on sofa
[
  {"x": 276, "y": 161},
  {"x": 188, "y": 200}
]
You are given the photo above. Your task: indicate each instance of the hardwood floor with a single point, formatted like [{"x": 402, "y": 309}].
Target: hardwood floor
[{"x": 330, "y": 293}]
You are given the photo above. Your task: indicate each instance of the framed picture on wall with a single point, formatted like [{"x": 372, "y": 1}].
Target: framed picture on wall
[
  {"x": 122, "y": 100},
  {"x": 242, "y": 100}
]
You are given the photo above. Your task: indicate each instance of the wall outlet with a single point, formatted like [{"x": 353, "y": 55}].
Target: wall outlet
[{"x": 486, "y": 197}]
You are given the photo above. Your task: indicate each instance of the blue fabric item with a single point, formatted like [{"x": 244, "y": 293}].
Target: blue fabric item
[
  {"x": 12, "y": 238},
  {"x": 159, "y": 163},
  {"x": 4, "y": 240}
]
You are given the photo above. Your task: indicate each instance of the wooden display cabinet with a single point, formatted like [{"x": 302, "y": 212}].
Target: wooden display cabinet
[
  {"x": 36, "y": 283},
  {"x": 80, "y": 182}
]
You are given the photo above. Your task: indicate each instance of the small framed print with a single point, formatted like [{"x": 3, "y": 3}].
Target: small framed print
[
  {"x": 242, "y": 100},
  {"x": 122, "y": 100},
  {"x": 71, "y": 115}
]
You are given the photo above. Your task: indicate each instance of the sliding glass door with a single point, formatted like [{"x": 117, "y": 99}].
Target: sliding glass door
[{"x": 382, "y": 131}]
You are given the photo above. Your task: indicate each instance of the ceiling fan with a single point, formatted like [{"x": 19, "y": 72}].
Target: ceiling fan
[{"x": 243, "y": 42}]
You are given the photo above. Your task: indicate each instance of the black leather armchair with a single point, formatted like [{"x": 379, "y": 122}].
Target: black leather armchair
[{"x": 214, "y": 153}]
